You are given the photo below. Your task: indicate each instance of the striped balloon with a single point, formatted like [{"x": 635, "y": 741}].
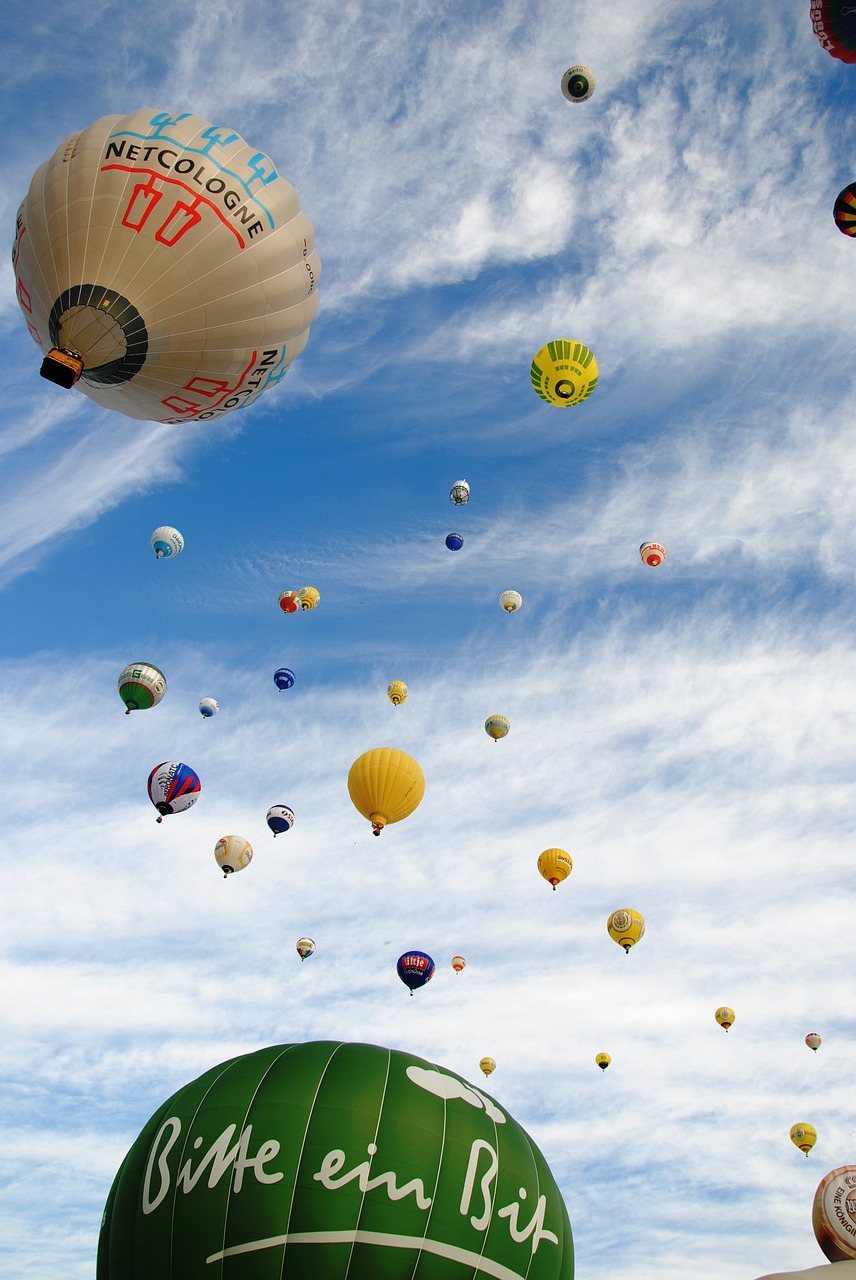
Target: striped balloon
[{"x": 564, "y": 372}]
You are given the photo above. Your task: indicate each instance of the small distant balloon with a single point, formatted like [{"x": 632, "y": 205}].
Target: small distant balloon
[
  {"x": 415, "y": 968},
  {"x": 488, "y": 1065},
  {"x": 458, "y": 963},
  {"x": 603, "y": 1060},
  {"x": 564, "y": 372},
  {"x": 813, "y": 1041},
  {"x": 309, "y": 597},
  {"x": 396, "y": 691},
  {"x": 652, "y": 553},
  {"x": 279, "y": 818},
  {"x": 511, "y": 601},
  {"x": 460, "y": 493},
  {"x": 578, "y": 84},
  {"x": 555, "y": 866},
  {"x": 454, "y": 541},
  {"x": 233, "y": 853},
  {"x": 141, "y": 685},
  {"x": 305, "y": 947},
  {"x": 208, "y": 707},
  {"x": 173, "y": 787},
  {"x": 283, "y": 678},
  {"x": 725, "y": 1017},
  {"x": 167, "y": 542},
  {"x": 625, "y": 927},
  {"x": 288, "y": 601},
  {"x": 804, "y": 1136},
  {"x": 497, "y": 727}
]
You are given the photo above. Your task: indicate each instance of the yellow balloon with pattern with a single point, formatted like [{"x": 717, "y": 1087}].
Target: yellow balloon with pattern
[
  {"x": 488, "y": 1065},
  {"x": 555, "y": 865},
  {"x": 497, "y": 727},
  {"x": 308, "y": 597},
  {"x": 725, "y": 1017},
  {"x": 397, "y": 692},
  {"x": 804, "y": 1136},
  {"x": 603, "y": 1060},
  {"x": 385, "y": 785},
  {"x": 626, "y": 926},
  {"x": 564, "y": 372}
]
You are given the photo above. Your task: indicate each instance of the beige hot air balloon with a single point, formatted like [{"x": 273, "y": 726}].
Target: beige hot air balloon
[
  {"x": 385, "y": 785},
  {"x": 164, "y": 267}
]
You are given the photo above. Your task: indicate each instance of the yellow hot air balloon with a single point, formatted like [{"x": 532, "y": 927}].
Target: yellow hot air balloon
[
  {"x": 397, "y": 692},
  {"x": 603, "y": 1060},
  {"x": 309, "y": 597},
  {"x": 625, "y": 927},
  {"x": 233, "y": 853},
  {"x": 804, "y": 1136},
  {"x": 564, "y": 372},
  {"x": 165, "y": 267},
  {"x": 385, "y": 785},
  {"x": 555, "y": 865},
  {"x": 488, "y": 1065},
  {"x": 497, "y": 727},
  {"x": 725, "y": 1017}
]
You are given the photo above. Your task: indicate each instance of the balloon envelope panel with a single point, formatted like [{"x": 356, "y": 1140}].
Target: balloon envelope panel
[
  {"x": 835, "y": 27},
  {"x": 331, "y": 1161},
  {"x": 172, "y": 256}
]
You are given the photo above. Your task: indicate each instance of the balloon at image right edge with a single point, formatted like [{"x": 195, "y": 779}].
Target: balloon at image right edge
[
  {"x": 834, "y": 25},
  {"x": 172, "y": 259},
  {"x": 564, "y": 372}
]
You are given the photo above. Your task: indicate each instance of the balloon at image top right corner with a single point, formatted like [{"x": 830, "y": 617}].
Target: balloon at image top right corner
[
  {"x": 835, "y": 27},
  {"x": 564, "y": 372}
]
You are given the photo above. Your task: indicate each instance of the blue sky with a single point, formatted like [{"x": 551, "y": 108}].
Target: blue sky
[{"x": 685, "y": 733}]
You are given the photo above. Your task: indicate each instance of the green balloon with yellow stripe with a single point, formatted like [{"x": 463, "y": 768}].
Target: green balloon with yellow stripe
[{"x": 336, "y": 1162}]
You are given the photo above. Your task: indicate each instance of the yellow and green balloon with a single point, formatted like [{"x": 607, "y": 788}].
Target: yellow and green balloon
[{"x": 333, "y": 1160}]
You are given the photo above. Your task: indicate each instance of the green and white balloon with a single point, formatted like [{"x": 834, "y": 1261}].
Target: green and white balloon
[{"x": 329, "y": 1160}]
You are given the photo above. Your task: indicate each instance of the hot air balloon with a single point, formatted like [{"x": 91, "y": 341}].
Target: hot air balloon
[
  {"x": 803, "y": 1136},
  {"x": 603, "y": 1060},
  {"x": 141, "y": 685},
  {"x": 415, "y": 968},
  {"x": 488, "y": 1065},
  {"x": 578, "y": 84},
  {"x": 375, "y": 1163},
  {"x": 813, "y": 1041},
  {"x": 835, "y": 27},
  {"x": 288, "y": 601},
  {"x": 173, "y": 787},
  {"x": 497, "y": 727},
  {"x": 511, "y": 601},
  {"x": 305, "y": 947},
  {"x": 309, "y": 597},
  {"x": 279, "y": 818},
  {"x": 167, "y": 542},
  {"x": 555, "y": 865},
  {"x": 232, "y": 854},
  {"x": 164, "y": 262},
  {"x": 725, "y": 1017},
  {"x": 396, "y": 691},
  {"x": 385, "y": 785},
  {"x": 625, "y": 927},
  {"x": 460, "y": 493},
  {"x": 832, "y": 1215},
  {"x": 208, "y": 707},
  {"x": 458, "y": 963},
  {"x": 652, "y": 553},
  {"x": 283, "y": 678},
  {"x": 454, "y": 541},
  {"x": 564, "y": 372}
]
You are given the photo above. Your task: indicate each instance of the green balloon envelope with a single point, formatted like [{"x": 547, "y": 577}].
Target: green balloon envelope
[{"x": 326, "y": 1161}]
